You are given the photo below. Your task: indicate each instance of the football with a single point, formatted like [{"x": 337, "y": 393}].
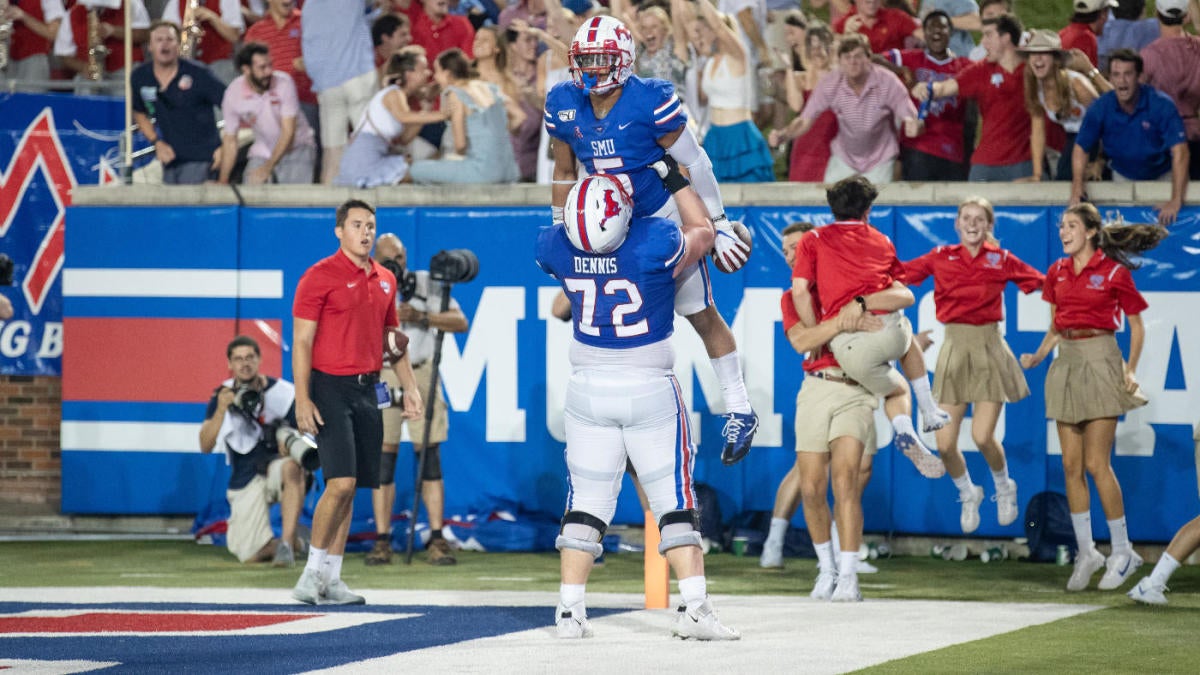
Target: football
[
  {"x": 395, "y": 344},
  {"x": 731, "y": 258}
]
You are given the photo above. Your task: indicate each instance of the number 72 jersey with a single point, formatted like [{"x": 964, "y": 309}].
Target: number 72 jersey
[{"x": 623, "y": 299}]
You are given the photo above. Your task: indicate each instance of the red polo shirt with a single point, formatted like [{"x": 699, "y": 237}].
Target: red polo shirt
[
  {"x": 843, "y": 260},
  {"x": 284, "y": 44},
  {"x": 971, "y": 289},
  {"x": 352, "y": 308},
  {"x": 1004, "y": 138},
  {"x": 1095, "y": 297},
  {"x": 816, "y": 360},
  {"x": 890, "y": 29},
  {"x": 1080, "y": 36},
  {"x": 451, "y": 31}
]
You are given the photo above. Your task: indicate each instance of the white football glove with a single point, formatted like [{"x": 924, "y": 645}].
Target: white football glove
[{"x": 731, "y": 249}]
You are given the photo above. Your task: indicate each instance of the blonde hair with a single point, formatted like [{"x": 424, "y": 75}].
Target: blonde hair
[{"x": 988, "y": 211}]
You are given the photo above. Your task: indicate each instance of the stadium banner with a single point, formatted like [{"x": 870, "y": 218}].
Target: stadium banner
[
  {"x": 48, "y": 145},
  {"x": 153, "y": 294}
]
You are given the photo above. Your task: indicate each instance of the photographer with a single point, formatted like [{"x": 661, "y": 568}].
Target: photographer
[
  {"x": 252, "y": 417},
  {"x": 416, "y": 297}
]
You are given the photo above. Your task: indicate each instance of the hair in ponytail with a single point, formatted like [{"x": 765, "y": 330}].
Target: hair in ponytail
[
  {"x": 988, "y": 211},
  {"x": 1119, "y": 241}
]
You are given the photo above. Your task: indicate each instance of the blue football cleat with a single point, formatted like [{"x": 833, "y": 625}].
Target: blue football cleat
[{"x": 739, "y": 433}]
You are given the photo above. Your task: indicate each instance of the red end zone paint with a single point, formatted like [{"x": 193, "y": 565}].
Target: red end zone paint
[
  {"x": 187, "y": 357},
  {"x": 135, "y": 622}
]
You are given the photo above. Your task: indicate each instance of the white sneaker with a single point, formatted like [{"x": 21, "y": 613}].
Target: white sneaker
[
  {"x": 826, "y": 582},
  {"x": 772, "y": 557},
  {"x": 847, "y": 589},
  {"x": 1148, "y": 592},
  {"x": 865, "y": 567},
  {"x": 927, "y": 463},
  {"x": 1006, "y": 503},
  {"x": 1087, "y": 563},
  {"x": 702, "y": 624},
  {"x": 1120, "y": 566},
  {"x": 934, "y": 419},
  {"x": 308, "y": 589},
  {"x": 338, "y": 593},
  {"x": 970, "y": 500},
  {"x": 572, "y": 622}
]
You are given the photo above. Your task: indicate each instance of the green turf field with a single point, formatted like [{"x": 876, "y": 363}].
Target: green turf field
[{"x": 1123, "y": 637}]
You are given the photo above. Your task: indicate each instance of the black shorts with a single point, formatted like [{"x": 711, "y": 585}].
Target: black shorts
[
  {"x": 351, "y": 439},
  {"x": 917, "y": 166}
]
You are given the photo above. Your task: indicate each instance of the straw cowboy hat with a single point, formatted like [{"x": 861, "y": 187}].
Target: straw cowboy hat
[{"x": 1042, "y": 42}]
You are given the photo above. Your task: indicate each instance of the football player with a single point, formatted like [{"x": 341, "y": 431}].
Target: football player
[
  {"x": 617, "y": 123},
  {"x": 623, "y": 401}
]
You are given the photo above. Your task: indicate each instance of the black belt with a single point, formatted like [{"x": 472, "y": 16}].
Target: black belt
[
  {"x": 362, "y": 379},
  {"x": 830, "y": 377}
]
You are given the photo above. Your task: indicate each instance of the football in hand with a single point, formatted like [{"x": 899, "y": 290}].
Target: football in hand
[
  {"x": 730, "y": 253},
  {"x": 395, "y": 344}
]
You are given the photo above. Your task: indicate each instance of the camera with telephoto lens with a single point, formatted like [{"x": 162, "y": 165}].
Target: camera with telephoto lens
[
  {"x": 298, "y": 446},
  {"x": 406, "y": 282},
  {"x": 456, "y": 266},
  {"x": 6, "y": 270},
  {"x": 247, "y": 401}
]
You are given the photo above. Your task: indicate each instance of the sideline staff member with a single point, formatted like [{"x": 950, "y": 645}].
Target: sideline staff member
[{"x": 343, "y": 305}]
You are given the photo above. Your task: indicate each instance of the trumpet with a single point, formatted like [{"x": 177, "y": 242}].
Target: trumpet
[
  {"x": 97, "y": 52},
  {"x": 191, "y": 31}
]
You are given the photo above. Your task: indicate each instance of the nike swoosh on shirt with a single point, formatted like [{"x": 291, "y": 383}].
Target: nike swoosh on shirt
[
  {"x": 952, "y": 257},
  {"x": 351, "y": 285},
  {"x": 622, "y": 126}
]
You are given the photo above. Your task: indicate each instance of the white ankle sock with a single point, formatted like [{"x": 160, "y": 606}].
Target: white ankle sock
[
  {"x": 332, "y": 569},
  {"x": 1118, "y": 531},
  {"x": 963, "y": 482},
  {"x": 825, "y": 556},
  {"x": 833, "y": 536},
  {"x": 693, "y": 590},
  {"x": 902, "y": 424},
  {"x": 1082, "y": 524},
  {"x": 571, "y": 594},
  {"x": 733, "y": 387},
  {"x": 1164, "y": 569},
  {"x": 776, "y": 534},
  {"x": 1000, "y": 478},
  {"x": 316, "y": 559},
  {"x": 921, "y": 392},
  {"x": 848, "y": 563}
]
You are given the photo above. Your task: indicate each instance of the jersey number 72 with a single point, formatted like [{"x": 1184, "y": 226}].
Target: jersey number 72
[{"x": 612, "y": 313}]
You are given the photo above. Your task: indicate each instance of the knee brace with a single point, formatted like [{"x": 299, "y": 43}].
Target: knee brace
[
  {"x": 679, "y": 528},
  {"x": 432, "y": 469},
  {"x": 387, "y": 469},
  {"x": 583, "y": 532}
]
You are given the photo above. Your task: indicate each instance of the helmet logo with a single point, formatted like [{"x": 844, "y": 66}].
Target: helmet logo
[
  {"x": 611, "y": 208},
  {"x": 622, "y": 31}
]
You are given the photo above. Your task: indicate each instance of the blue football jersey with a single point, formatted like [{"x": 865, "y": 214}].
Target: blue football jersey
[
  {"x": 626, "y": 298},
  {"x": 626, "y": 140}
]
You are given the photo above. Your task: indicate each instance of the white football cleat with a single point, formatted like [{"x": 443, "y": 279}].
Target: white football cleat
[
  {"x": 970, "y": 500},
  {"x": 572, "y": 623},
  {"x": 1120, "y": 566},
  {"x": 1087, "y": 563},
  {"x": 1148, "y": 592},
  {"x": 702, "y": 624}
]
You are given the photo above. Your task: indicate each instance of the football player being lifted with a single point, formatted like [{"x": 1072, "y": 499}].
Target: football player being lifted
[{"x": 614, "y": 122}]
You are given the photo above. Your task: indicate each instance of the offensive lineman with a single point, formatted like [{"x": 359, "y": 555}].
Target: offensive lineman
[
  {"x": 617, "y": 123},
  {"x": 623, "y": 401}
]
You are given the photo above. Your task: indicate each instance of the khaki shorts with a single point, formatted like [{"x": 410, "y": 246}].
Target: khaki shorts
[
  {"x": 341, "y": 108},
  {"x": 867, "y": 356},
  {"x": 1196, "y": 438},
  {"x": 249, "y": 524},
  {"x": 829, "y": 410},
  {"x": 393, "y": 418}
]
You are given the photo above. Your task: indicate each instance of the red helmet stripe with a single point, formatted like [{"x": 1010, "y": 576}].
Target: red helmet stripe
[
  {"x": 581, "y": 216},
  {"x": 592, "y": 29}
]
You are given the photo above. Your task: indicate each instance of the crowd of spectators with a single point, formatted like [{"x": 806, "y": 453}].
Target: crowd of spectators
[{"x": 891, "y": 89}]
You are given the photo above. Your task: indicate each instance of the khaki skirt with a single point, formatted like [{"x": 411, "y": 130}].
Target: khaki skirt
[
  {"x": 975, "y": 364},
  {"x": 1086, "y": 381}
]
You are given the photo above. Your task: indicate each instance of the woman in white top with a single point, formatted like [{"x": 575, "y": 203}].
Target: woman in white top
[
  {"x": 375, "y": 154},
  {"x": 1060, "y": 85},
  {"x": 738, "y": 151}
]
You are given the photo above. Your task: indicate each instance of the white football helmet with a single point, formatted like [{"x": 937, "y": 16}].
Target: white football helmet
[
  {"x": 601, "y": 55},
  {"x": 598, "y": 212}
]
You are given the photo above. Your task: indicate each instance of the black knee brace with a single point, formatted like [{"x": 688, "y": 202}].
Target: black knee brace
[
  {"x": 432, "y": 469},
  {"x": 387, "y": 469}
]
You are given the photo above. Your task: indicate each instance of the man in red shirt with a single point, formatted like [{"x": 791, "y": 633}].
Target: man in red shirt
[
  {"x": 884, "y": 27},
  {"x": 1086, "y": 23},
  {"x": 343, "y": 306},
  {"x": 34, "y": 28},
  {"x": 435, "y": 29},
  {"x": 280, "y": 31},
  {"x": 998, "y": 85}
]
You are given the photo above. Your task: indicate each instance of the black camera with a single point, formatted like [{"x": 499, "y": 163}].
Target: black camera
[
  {"x": 406, "y": 282},
  {"x": 6, "y": 270},
  {"x": 300, "y": 447},
  {"x": 456, "y": 266},
  {"x": 247, "y": 401}
]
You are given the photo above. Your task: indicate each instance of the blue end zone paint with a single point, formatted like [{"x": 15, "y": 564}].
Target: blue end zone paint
[{"x": 434, "y": 627}]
